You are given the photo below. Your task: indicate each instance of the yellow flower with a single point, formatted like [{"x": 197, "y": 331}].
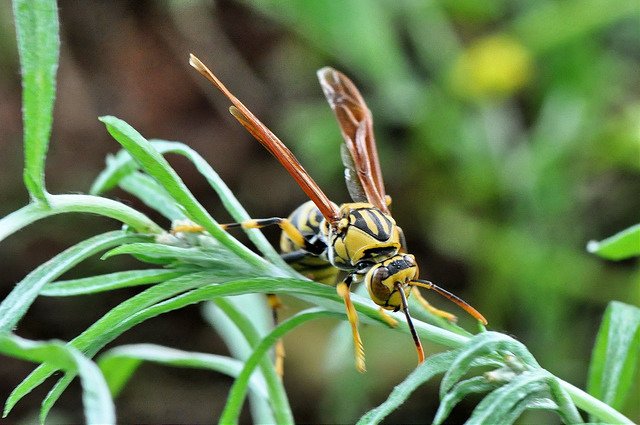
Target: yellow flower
[{"x": 495, "y": 66}]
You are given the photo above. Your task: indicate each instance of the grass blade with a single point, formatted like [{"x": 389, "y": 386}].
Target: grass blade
[
  {"x": 98, "y": 405},
  {"x": 38, "y": 34},
  {"x": 615, "y": 354},
  {"x": 622, "y": 245},
  {"x": 108, "y": 282},
  {"x": 119, "y": 363},
  {"x": 16, "y": 304},
  {"x": 431, "y": 367}
]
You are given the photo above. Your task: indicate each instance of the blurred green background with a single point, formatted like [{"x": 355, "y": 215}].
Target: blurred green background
[{"x": 509, "y": 136}]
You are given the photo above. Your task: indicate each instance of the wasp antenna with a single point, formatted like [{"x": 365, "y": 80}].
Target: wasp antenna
[
  {"x": 414, "y": 335},
  {"x": 448, "y": 295}
]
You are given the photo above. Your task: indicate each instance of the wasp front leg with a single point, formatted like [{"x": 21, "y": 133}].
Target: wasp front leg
[{"x": 343, "y": 290}]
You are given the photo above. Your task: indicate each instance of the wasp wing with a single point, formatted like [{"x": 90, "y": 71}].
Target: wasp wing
[
  {"x": 273, "y": 145},
  {"x": 356, "y": 126}
]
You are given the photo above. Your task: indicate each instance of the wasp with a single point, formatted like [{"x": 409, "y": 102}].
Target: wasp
[{"x": 359, "y": 238}]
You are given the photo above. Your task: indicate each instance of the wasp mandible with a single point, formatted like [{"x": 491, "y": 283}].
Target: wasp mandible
[{"x": 361, "y": 237}]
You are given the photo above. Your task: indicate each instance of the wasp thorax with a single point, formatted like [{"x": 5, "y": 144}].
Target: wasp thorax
[
  {"x": 382, "y": 278},
  {"x": 363, "y": 233}
]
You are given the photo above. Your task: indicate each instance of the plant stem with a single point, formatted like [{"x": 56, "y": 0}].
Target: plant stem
[
  {"x": 59, "y": 204},
  {"x": 592, "y": 405}
]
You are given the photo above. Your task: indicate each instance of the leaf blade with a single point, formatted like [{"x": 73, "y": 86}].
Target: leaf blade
[
  {"x": 615, "y": 354},
  {"x": 624, "y": 244},
  {"x": 38, "y": 36}
]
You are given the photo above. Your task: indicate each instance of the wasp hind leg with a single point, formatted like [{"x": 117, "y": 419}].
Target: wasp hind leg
[
  {"x": 431, "y": 309},
  {"x": 275, "y": 304},
  {"x": 343, "y": 290}
]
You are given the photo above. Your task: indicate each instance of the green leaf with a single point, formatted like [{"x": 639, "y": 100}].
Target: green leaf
[
  {"x": 108, "y": 282},
  {"x": 59, "y": 204},
  {"x": 152, "y": 194},
  {"x": 431, "y": 367},
  {"x": 106, "y": 329},
  {"x": 475, "y": 385},
  {"x": 98, "y": 405},
  {"x": 122, "y": 165},
  {"x": 156, "y": 166},
  {"x": 566, "y": 407},
  {"x": 496, "y": 407},
  {"x": 119, "y": 363},
  {"x": 37, "y": 31},
  {"x": 236, "y": 342},
  {"x": 277, "y": 395},
  {"x": 615, "y": 354},
  {"x": 235, "y": 399},
  {"x": 486, "y": 343},
  {"x": 622, "y": 245},
  {"x": 16, "y": 304}
]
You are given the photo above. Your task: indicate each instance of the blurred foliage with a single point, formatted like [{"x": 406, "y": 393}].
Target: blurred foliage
[{"x": 509, "y": 135}]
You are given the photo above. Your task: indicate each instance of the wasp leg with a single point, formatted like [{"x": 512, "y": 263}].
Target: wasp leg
[
  {"x": 387, "y": 318},
  {"x": 343, "y": 290},
  {"x": 186, "y": 226},
  {"x": 431, "y": 309},
  {"x": 275, "y": 304}
]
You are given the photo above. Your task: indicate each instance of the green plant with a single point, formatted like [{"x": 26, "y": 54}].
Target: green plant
[{"x": 214, "y": 266}]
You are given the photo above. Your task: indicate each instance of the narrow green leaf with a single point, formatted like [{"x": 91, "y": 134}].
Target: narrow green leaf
[
  {"x": 496, "y": 406},
  {"x": 38, "y": 34},
  {"x": 166, "y": 254},
  {"x": 236, "y": 342},
  {"x": 156, "y": 166},
  {"x": 152, "y": 194},
  {"x": 622, "y": 245},
  {"x": 538, "y": 401},
  {"x": 235, "y": 399},
  {"x": 59, "y": 204},
  {"x": 127, "y": 357},
  {"x": 486, "y": 343},
  {"x": 122, "y": 165},
  {"x": 475, "y": 385},
  {"x": 277, "y": 395},
  {"x": 118, "y": 167},
  {"x": 108, "y": 282},
  {"x": 16, "y": 304},
  {"x": 566, "y": 407},
  {"x": 431, "y": 367},
  {"x": 104, "y": 330},
  {"x": 615, "y": 354},
  {"x": 98, "y": 405}
]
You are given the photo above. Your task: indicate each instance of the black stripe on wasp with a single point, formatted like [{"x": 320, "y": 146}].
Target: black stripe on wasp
[{"x": 361, "y": 237}]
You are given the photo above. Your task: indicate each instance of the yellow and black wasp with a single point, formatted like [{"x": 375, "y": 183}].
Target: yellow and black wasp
[{"x": 360, "y": 238}]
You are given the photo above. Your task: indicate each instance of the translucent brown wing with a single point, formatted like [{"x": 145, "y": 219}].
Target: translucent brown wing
[
  {"x": 273, "y": 145},
  {"x": 356, "y": 126}
]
